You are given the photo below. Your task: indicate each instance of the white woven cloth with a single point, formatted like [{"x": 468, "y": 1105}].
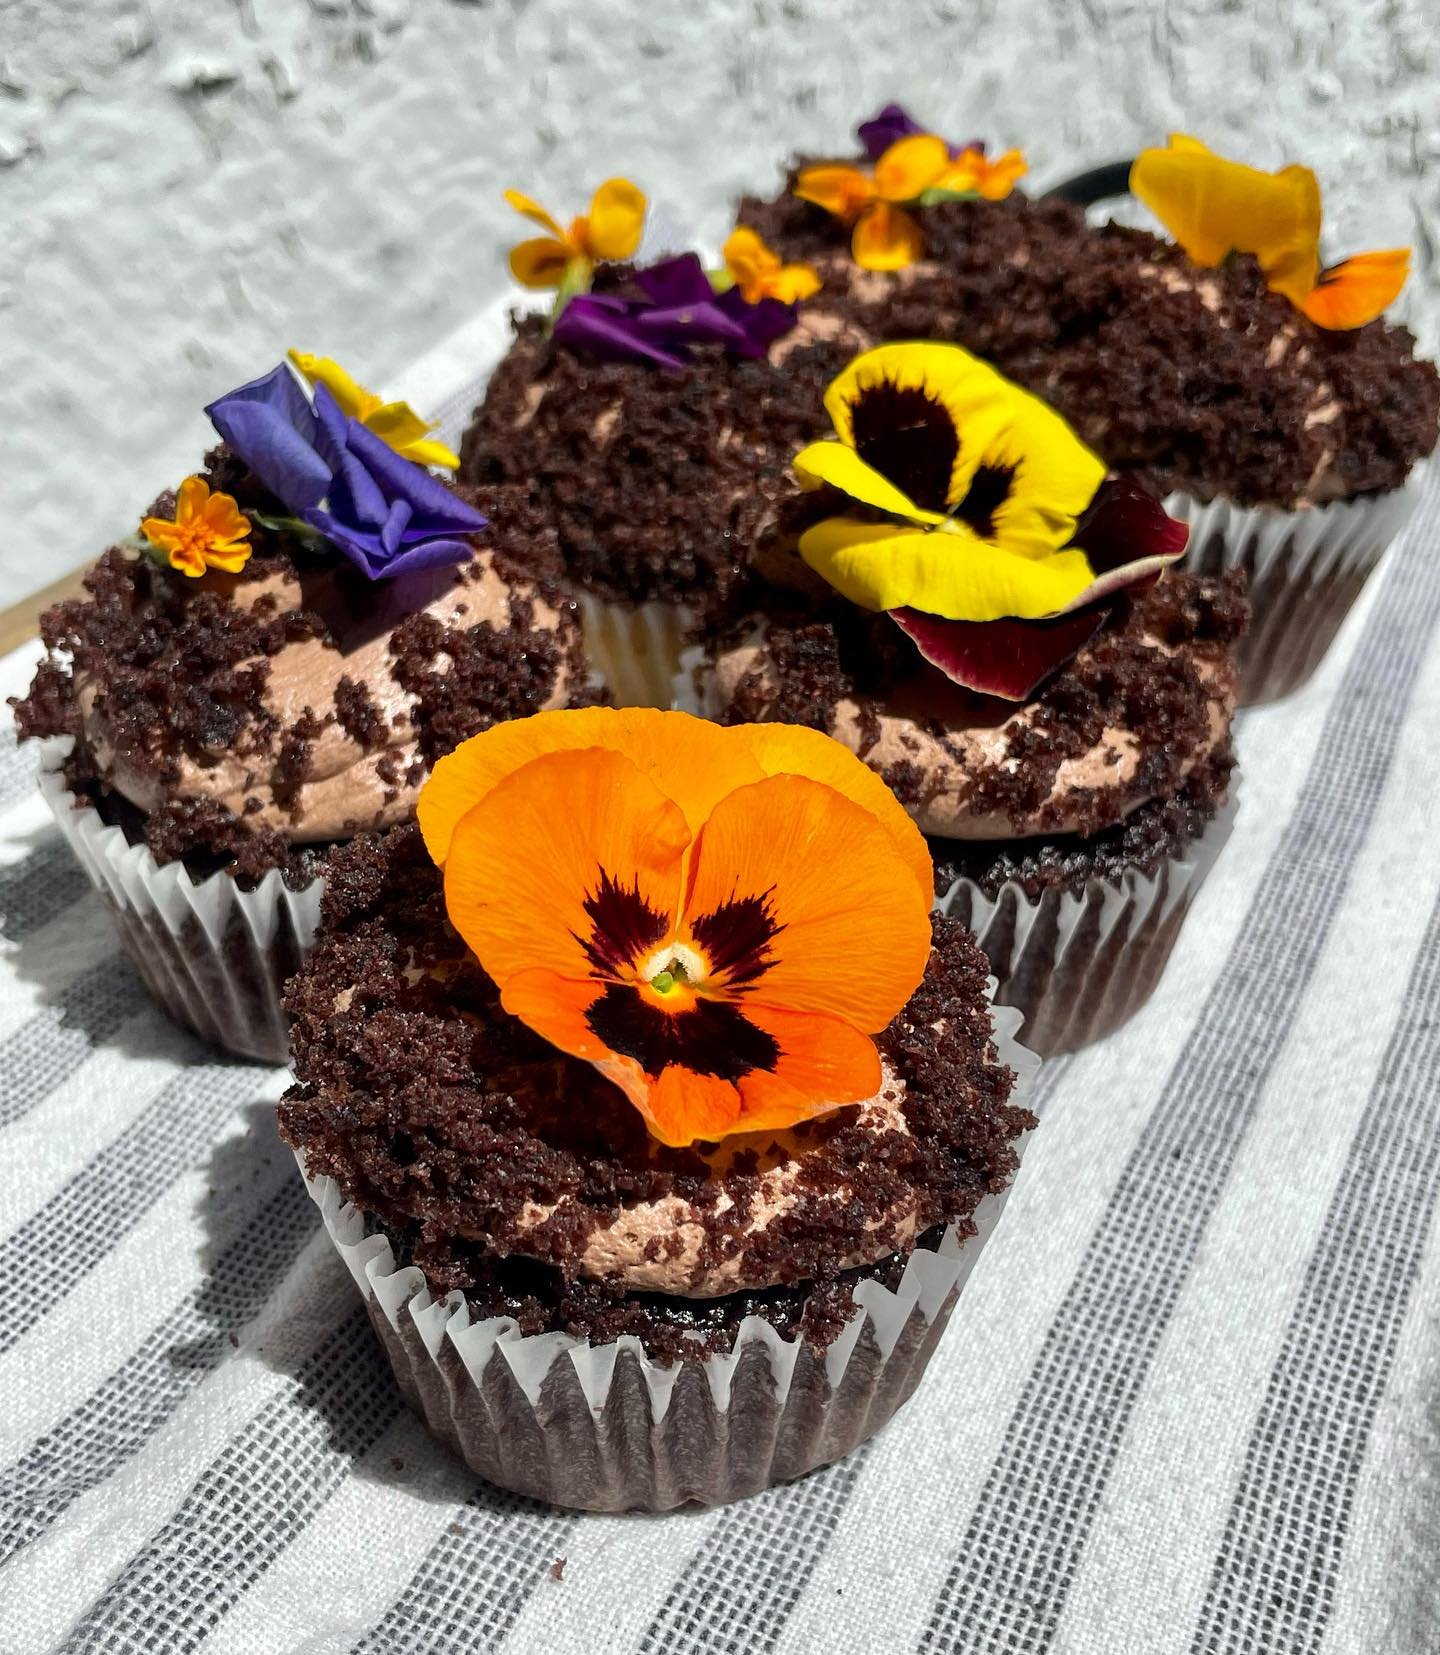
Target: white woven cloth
[{"x": 1189, "y": 1403}]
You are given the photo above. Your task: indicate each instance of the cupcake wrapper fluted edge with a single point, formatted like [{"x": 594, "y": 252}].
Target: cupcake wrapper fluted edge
[
  {"x": 1306, "y": 569},
  {"x": 605, "y": 1427},
  {"x": 214, "y": 957}
]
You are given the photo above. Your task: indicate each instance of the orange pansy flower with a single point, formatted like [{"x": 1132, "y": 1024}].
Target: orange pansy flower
[
  {"x": 885, "y": 236},
  {"x": 208, "y": 531},
  {"x": 566, "y": 258},
  {"x": 1214, "y": 207},
  {"x": 759, "y": 273},
  {"x": 718, "y": 919}
]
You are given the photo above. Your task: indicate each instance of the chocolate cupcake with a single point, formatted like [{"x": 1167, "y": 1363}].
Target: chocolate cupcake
[
  {"x": 658, "y": 1160},
  {"x": 1260, "y": 394},
  {"x": 271, "y": 667}
]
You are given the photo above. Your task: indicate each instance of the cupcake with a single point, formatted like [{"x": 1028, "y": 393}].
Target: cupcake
[
  {"x": 657, "y": 1117},
  {"x": 1258, "y": 392},
  {"x": 270, "y": 667}
]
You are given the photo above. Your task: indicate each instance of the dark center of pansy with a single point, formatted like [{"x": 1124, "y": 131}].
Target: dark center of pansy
[
  {"x": 989, "y": 489},
  {"x": 623, "y": 925},
  {"x": 909, "y": 438},
  {"x": 710, "y": 1037}
]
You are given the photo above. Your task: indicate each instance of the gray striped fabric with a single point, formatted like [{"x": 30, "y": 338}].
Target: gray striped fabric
[{"x": 1187, "y": 1403}]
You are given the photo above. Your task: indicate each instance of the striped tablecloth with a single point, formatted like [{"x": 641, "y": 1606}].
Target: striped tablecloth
[{"x": 1189, "y": 1404}]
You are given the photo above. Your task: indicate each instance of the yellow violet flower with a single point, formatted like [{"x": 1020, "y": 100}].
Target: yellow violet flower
[
  {"x": 208, "y": 531},
  {"x": 885, "y": 236},
  {"x": 395, "y": 423},
  {"x": 982, "y": 482},
  {"x": 561, "y": 258},
  {"x": 758, "y": 272},
  {"x": 1214, "y": 207}
]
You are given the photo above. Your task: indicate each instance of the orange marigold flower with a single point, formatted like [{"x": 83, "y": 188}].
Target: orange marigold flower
[
  {"x": 885, "y": 236},
  {"x": 718, "y": 919},
  {"x": 208, "y": 531},
  {"x": 759, "y": 273}
]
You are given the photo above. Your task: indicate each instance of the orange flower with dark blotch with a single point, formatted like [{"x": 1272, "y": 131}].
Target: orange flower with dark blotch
[{"x": 718, "y": 919}]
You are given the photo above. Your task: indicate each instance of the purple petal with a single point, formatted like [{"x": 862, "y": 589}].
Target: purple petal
[
  {"x": 433, "y": 506},
  {"x": 596, "y": 329},
  {"x": 673, "y": 282},
  {"x": 764, "y": 322},
  {"x": 696, "y": 324},
  {"x": 270, "y": 425},
  {"x": 888, "y": 127},
  {"x": 1007, "y": 658},
  {"x": 1127, "y": 537}
]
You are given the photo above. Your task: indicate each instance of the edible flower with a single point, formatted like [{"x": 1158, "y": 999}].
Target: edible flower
[
  {"x": 758, "y": 271},
  {"x": 910, "y": 167},
  {"x": 659, "y": 896},
  {"x": 208, "y": 531},
  {"x": 980, "y": 506},
  {"x": 566, "y": 259},
  {"x": 676, "y": 308},
  {"x": 396, "y": 423},
  {"x": 388, "y": 516},
  {"x": 1214, "y": 207}
]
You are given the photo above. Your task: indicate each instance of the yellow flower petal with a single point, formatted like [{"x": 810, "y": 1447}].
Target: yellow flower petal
[
  {"x": 529, "y": 208},
  {"x": 841, "y": 467},
  {"x": 1356, "y": 291},
  {"x": 952, "y": 573},
  {"x": 616, "y": 220},
  {"x": 352, "y": 397},
  {"x": 1213, "y": 207},
  {"x": 191, "y": 498},
  {"x": 973, "y": 170},
  {"x": 886, "y": 238},
  {"x": 398, "y": 424},
  {"x": 911, "y": 166},
  {"x": 540, "y": 262},
  {"x": 840, "y": 189}
]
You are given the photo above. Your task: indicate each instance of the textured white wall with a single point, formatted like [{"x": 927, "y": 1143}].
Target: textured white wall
[{"x": 189, "y": 186}]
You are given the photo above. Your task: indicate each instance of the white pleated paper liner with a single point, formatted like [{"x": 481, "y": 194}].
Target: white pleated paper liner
[
  {"x": 634, "y": 648},
  {"x": 1078, "y": 966},
  {"x": 1306, "y": 569},
  {"x": 214, "y": 957},
  {"x": 605, "y": 1427}
]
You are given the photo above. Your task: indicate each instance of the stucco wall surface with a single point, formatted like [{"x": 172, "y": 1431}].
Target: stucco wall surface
[{"x": 190, "y": 186}]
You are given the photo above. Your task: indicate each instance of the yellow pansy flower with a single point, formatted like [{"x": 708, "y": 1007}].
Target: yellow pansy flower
[
  {"x": 562, "y": 258},
  {"x": 759, "y": 273},
  {"x": 208, "y": 531},
  {"x": 982, "y": 485},
  {"x": 1214, "y": 207},
  {"x": 395, "y": 423}
]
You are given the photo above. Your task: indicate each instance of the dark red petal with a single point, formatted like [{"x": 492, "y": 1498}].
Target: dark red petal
[
  {"x": 1126, "y": 524},
  {"x": 1007, "y": 658}
]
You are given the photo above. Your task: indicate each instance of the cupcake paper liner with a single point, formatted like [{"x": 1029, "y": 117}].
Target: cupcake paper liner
[
  {"x": 1306, "y": 570},
  {"x": 214, "y": 957},
  {"x": 604, "y": 1427},
  {"x": 1077, "y": 966},
  {"x": 635, "y": 649}
]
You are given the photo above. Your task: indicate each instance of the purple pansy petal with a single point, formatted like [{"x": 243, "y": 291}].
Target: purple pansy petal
[
  {"x": 702, "y": 324},
  {"x": 432, "y": 504},
  {"x": 1010, "y": 658},
  {"x": 888, "y": 127},
  {"x": 764, "y": 322},
  {"x": 608, "y": 331},
  {"x": 271, "y": 426},
  {"x": 678, "y": 281}
]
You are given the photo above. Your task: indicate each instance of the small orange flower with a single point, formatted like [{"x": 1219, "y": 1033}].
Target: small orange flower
[
  {"x": 208, "y": 531},
  {"x": 1214, "y": 207},
  {"x": 885, "y": 236},
  {"x": 972, "y": 172},
  {"x": 718, "y": 919},
  {"x": 759, "y": 273}
]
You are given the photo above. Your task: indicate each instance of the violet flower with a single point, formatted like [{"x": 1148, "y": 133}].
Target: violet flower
[
  {"x": 676, "y": 308},
  {"x": 387, "y": 515}
]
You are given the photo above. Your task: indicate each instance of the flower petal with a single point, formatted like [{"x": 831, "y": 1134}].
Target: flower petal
[
  {"x": 529, "y": 208},
  {"x": 1009, "y": 658},
  {"x": 750, "y": 262},
  {"x": 910, "y": 166},
  {"x": 272, "y": 427},
  {"x": 781, "y": 749},
  {"x": 352, "y": 397},
  {"x": 839, "y": 189},
  {"x": 1356, "y": 291},
  {"x": 224, "y": 518},
  {"x": 527, "y": 865},
  {"x": 690, "y": 760},
  {"x": 886, "y": 237},
  {"x": 681, "y": 1107},
  {"x": 190, "y": 499},
  {"x": 854, "y": 928},
  {"x": 824, "y": 1064},
  {"x": 973, "y": 171},
  {"x": 840, "y": 467},
  {"x": 603, "y": 326},
  {"x": 540, "y": 262},
  {"x": 952, "y": 574},
  {"x": 616, "y": 220},
  {"x": 793, "y": 282},
  {"x": 882, "y": 130},
  {"x": 1213, "y": 207},
  {"x": 401, "y": 428},
  {"x": 1127, "y": 538},
  {"x": 674, "y": 282}
]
